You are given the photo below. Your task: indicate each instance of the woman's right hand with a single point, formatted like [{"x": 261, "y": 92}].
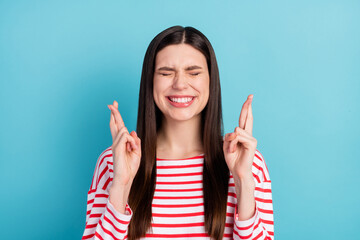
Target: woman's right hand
[{"x": 126, "y": 149}]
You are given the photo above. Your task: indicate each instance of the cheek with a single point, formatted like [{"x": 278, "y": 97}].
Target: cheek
[
  {"x": 156, "y": 84},
  {"x": 203, "y": 86},
  {"x": 157, "y": 90},
  {"x": 160, "y": 85}
]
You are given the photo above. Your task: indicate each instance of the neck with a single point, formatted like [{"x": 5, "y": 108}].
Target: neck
[{"x": 177, "y": 139}]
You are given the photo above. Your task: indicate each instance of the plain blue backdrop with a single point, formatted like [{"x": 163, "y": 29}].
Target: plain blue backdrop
[{"x": 62, "y": 62}]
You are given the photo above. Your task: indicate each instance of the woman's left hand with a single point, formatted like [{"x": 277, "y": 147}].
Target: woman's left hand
[{"x": 239, "y": 146}]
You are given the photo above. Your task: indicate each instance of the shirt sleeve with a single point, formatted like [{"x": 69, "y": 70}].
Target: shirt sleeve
[
  {"x": 261, "y": 225},
  {"x": 103, "y": 221}
]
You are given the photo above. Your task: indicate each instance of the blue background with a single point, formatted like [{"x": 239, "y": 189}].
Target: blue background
[{"x": 62, "y": 62}]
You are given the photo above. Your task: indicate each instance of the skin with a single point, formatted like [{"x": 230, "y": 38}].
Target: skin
[
  {"x": 179, "y": 134},
  {"x": 126, "y": 150},
  {"x": 239, "y": 150}
]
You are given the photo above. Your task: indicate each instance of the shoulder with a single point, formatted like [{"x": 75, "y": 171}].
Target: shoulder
[
  {"x": 260, "y": 170},
  {"x": 103, "y": 169},
  {"x": 105, "y": 158},
  {"x": 105, "y": 154}
]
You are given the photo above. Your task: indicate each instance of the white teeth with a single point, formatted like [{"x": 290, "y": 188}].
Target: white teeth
[{"x": 181, "y": 100}]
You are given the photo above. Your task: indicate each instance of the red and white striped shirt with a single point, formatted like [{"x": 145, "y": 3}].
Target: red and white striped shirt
[{"x": 177, "y": 207}]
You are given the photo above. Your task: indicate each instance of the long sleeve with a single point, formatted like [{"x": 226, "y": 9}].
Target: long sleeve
[
  {"x": 261, "y": 225},
  {"x": 103, "y": 221}
]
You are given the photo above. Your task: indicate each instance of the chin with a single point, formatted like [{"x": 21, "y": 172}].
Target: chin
[{"x": 181, "y": 117}]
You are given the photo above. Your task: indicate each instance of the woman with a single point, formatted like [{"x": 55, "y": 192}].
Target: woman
[{"x": 178, "y": 176}]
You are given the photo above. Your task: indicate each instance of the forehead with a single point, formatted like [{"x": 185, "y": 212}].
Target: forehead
[{"x": 179, "y": 55}]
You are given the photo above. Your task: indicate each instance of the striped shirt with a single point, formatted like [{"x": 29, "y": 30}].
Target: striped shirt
[{"x": 177, "y": 207}]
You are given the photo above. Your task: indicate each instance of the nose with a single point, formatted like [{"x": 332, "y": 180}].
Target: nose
[{"x": 180, "y": 81}]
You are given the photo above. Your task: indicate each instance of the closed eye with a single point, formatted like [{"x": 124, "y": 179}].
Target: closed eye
[{"x": 167, "y": 74}]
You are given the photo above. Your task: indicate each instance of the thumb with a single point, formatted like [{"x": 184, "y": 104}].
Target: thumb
[
  {"x": 228, "y": 138},
  {"x": 226, "y": 143},
  {"x": 137, "y": 139}
]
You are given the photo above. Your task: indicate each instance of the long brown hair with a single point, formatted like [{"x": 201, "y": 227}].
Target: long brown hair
[{"x": 215, "y": 170}]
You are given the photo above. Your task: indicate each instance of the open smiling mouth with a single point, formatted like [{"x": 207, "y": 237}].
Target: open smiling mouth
[{"x": 180, "y": 102}]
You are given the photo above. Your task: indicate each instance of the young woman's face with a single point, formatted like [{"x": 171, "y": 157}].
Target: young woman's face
[{"x": 181, "y": 81}]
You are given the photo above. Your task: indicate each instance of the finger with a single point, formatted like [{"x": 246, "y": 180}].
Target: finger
[
  {"x": 131, "y": 143},
  {"x": 243, "y": 113},
  {"x": 113, "y": 127},
  {"x": 121, "y": 135},
  {"x": 249, "y": 120},
  {"x": 118, "y": 119},
  {"x": 128, "y": 137},
  {"x": 240, "y": 139},
  {"x": 130, "y": 147},
  {"x": 227, "y": 139},
  {"x": 242, "y": 132},
  {"x": 127, "y": 141},
  {"x": 230, "y": 139},
  {"x": 230, "y": 136},
  {"x": 138, "y": 143},
  {"x": 137, "y": 139}
]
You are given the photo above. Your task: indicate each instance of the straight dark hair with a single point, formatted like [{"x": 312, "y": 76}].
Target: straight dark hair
[{"x": 215, "y": 171}]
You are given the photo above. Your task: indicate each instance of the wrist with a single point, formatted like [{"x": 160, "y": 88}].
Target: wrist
[
  {"x": 244, "y": 181},
  {"x": 244, "y": 177},
  {"x": 122, "y": 183},
  {"x": 118, "y": 192},
  {"x": 118, "y": 197},
  {"x": 245, "y": 194},
  {"x": 119, "y": 188}
]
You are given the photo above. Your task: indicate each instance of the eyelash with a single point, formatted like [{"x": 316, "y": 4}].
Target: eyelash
[{"x": 167, "y": 74}]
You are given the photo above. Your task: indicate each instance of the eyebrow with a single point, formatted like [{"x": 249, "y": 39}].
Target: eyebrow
[{"x": 187, "y": 69}]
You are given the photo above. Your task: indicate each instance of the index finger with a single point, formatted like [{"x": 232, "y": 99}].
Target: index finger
[
  {"x": 118, "y": 119},
  {"x": 244, "y": 112},
  {"x": 249, "y": 120},
  {"x": 113, "y": 127}
]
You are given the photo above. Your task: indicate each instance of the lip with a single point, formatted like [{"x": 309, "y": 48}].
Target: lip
[
  {"x": 180, "y": 105},
  {"x": 180, "y": 96}
]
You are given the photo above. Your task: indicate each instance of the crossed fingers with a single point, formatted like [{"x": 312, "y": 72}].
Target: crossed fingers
[
  {"x": 117, "y": 127},
  {"x": 246, "y": 117},
  {"x": 242, "y": 133}
]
